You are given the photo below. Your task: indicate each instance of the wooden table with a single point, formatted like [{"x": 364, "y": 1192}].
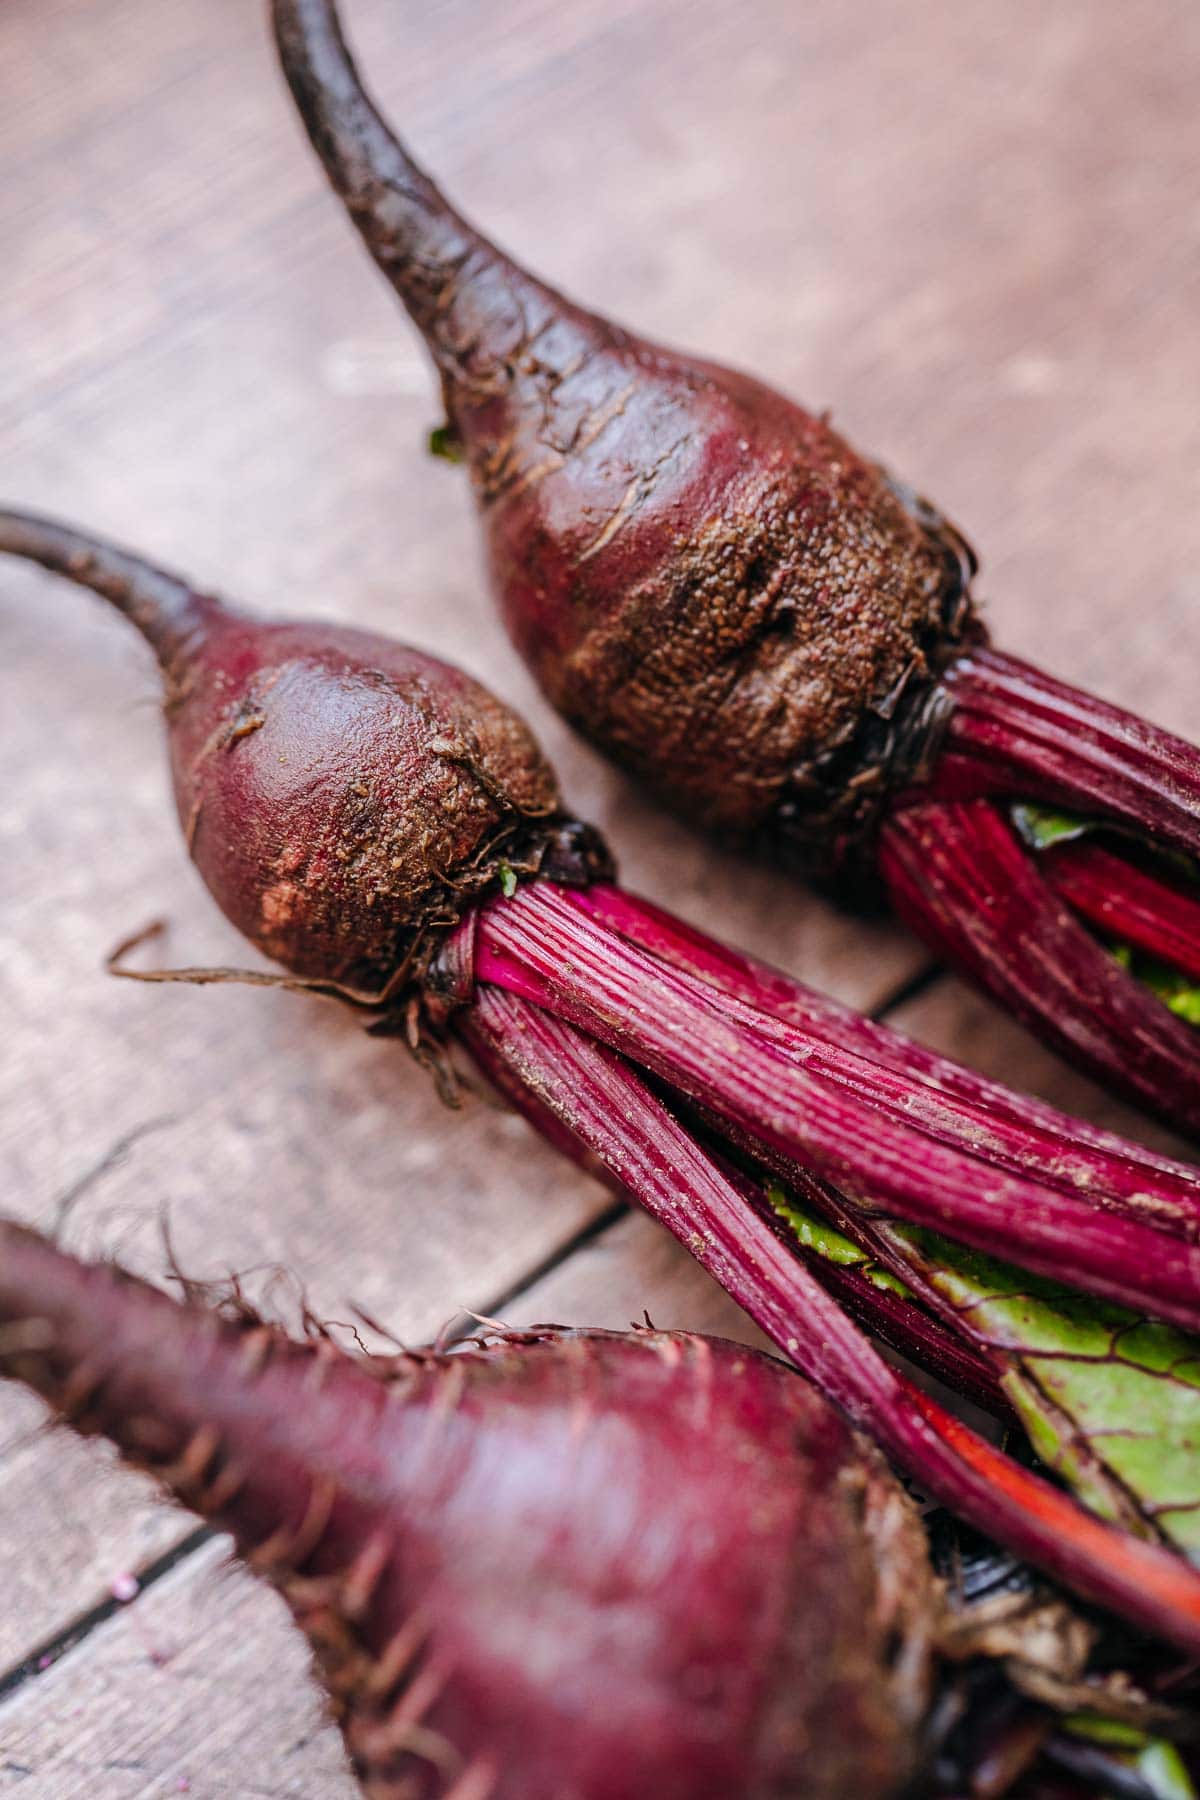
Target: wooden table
[{"x": 972, "y": 228}]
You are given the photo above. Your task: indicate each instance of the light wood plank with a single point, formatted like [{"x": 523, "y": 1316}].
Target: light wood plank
[
  {"x": 201, "y": 1687},
  {"x": 631, "y": 1271}
]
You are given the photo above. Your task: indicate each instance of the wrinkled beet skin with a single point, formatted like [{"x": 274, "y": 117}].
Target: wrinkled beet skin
[
  {"x": 705, "y": 579},
  {"x": 339, "y": 792},
  {"x": 626, "y": 1566}
]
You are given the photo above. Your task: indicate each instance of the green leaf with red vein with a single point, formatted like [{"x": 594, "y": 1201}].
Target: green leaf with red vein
[{"x": 1110, "y": 1401}]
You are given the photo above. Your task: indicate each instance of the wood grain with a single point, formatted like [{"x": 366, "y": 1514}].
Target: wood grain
[{"x": 970, "y": 228}]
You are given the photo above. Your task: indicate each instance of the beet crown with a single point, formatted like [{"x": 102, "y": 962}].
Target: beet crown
[
  {"x": 705, "y": 578},
  {"x": 557, "y": 1564}
]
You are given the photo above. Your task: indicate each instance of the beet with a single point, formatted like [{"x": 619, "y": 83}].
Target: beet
[
  {"x": 301, "y": 755},
  {"x": 757, "y": 621},
  {"x": 554, "y": 1564},
  {"x": 390, "y": 833},
  {"x": 680, "y": 553}
]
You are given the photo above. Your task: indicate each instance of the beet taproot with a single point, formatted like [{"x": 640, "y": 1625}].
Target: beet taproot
[
  {"x": 763, "y": 625},
  {"x": 418, "y": 840},
  {"x": 705, "y": 578},
  {"x": 556, "y": 1565}
]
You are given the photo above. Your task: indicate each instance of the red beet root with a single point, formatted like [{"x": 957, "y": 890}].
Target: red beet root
[
  {"x": 646, "y": 515},
  {"x": 301, "y": 756},
  {"x": 363, "y": 812},
  {"x": 760, "y": 623},
  {"x": 556, "y": 1564}
]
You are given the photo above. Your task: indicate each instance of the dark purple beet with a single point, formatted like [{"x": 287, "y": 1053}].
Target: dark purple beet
[
  {"x": 366, "y": 788},
  {"x": 562, "y": 1565},
  {"x": 753, "y": 618},
  {"x": 341, "y": 794},
  {"x": 705, "y": 578}
]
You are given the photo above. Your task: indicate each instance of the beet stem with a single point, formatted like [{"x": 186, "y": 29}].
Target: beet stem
[
  {"x": 945, "y": 1350},
  {"x": 602, "y": 1101},
  {"x": 1018, "y": 730},
  {"x": 932, "y": 1337},
  {"x": 959, "y": 877},
  {"x": 1047, "y": 1141},
  {"x": 906, "y": 1326},
  {"x": 872, "y": 1134},
  {"x": 169, "y": 614},
  {"x": 1127, "y": 902}
]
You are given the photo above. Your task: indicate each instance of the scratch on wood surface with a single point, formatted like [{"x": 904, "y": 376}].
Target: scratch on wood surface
[{"x": 112, "y": 1159}]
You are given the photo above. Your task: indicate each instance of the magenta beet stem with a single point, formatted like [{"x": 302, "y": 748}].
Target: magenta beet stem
[
  {"x": 1018, "y": 731},
  {"x": 906, "y": 1326},
  {"x": 957, "y": 874},
  {"x": 1045, "y": 1142},
  {"x": 844, "y": 1117},
  {"x": 903, "y": 1323},
  {"x": 605, "y": 1104},
  {"x": 1127, "y": 902}
]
